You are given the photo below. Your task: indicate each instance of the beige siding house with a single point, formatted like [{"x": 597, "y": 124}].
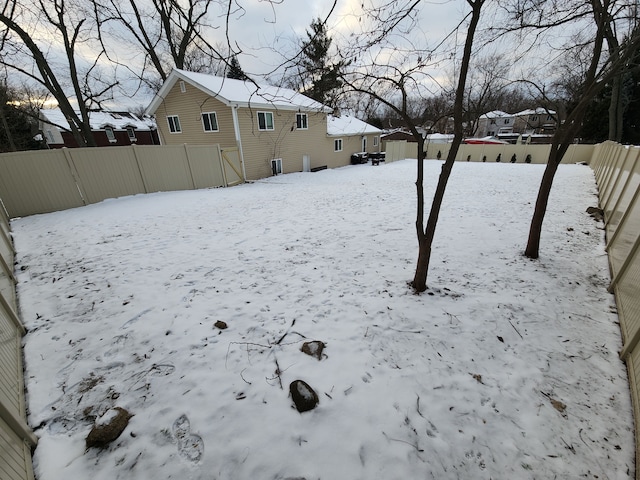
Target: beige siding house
[
  {"x": 275, "y": 130},
  {"x": 348, "y": 135}
]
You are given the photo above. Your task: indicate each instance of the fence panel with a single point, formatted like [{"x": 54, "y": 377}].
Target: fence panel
[
  {"x": 106, "y": 172},
  {"x": 617, "y": 171},
  {"x": 37, "y": 182},
  {"x": 163, "y": 170},
  {"x": 52, "y": 180},
  {"x": 397, "y": 150},
  {"x": 16, "y": 438},
  {"x": 15, "y": 455},
  {"x": 206, "y": 166},
  {"x": 231, "y": 165}
]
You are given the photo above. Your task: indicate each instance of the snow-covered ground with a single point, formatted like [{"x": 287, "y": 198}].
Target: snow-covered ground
[{"x": 507, "y": 368}]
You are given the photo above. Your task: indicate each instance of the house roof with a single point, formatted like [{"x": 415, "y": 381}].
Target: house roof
[
  {"x": 348, "y": 125},
  {"x": 238, "y": 93},
  {"x": 495, "y": 114},
  {"x": 99, "y": 120},
  {"x": 537, "y": 111}
]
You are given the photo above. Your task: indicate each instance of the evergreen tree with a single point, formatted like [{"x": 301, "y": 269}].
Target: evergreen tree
[
  {"x": 17, "y": 128},
  {"x": 235, "y": 70},
  {"x": 319, "y": 76}
]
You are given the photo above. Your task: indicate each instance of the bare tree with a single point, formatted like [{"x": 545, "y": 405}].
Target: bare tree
[
  {"x": 77, "y": 83},
  {"x": 395, "y": 85},
  {"x": 488, "y": 80},
  {"x": 599, "y": 70},
  {"x": 169, "y": 33}
]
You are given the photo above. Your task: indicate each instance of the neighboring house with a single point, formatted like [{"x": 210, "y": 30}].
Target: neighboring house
[
  {"x": 351, "y": 135},
  {"x": 276, "y": 130},
  {"x": 532, "y": 126},
  {"x": 535, "y": 122},
  {"x": 493, "y": 124},
  {"x": 109, "y": 129}
]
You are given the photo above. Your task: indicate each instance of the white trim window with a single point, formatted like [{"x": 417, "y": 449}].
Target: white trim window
[
  {"x": 110, "y": 135},
  {"x": 210, "y": 122},
  {"x": 302, "y": 122},
  {"x": 337, "y": 145},
  {"x": 174, "y": 124},
  {"x": 375, "y": 141},
  {"x": 265, "y": 120},
  {"x": 131, "y": 133},
  {"x": 276, "y": 166}
]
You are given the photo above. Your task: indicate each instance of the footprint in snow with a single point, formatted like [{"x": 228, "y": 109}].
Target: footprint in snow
[{"x": 190, "y": 446}]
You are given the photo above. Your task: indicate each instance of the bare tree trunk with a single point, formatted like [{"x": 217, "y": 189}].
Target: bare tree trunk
[
  {"x": 425, "y": 237},
  {"x": 616, "y": 109},
  {"x": 535, "y": 229}
]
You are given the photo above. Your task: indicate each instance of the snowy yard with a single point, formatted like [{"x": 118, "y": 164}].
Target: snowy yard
[{"x": 507, "y": 368}]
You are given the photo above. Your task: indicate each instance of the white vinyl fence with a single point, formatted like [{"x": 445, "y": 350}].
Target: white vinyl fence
[
  {"x": 16, "y": 438},
  {"x": 50, "y": 180},
  {"x": 37, "y": 182},
  {"x": 617, "y": 170},
  {"x": 401, "y": 149}
]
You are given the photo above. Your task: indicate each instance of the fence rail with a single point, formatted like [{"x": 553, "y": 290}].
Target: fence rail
[
  {"x": 401, "y": 149},
  {"x": 46, "y": 181},
  {"x": 617, "y": 171},
  {"x": 16, "y": 438}
]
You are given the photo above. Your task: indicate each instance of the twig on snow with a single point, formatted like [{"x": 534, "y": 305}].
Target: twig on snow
[
  {"x": 403, "y": 441},
  {"x": 418, "y": 406},
  {"x": 514, "y": 327}
]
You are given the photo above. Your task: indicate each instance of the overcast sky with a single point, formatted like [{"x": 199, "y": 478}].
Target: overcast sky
[{"x": 264, "y": 27}]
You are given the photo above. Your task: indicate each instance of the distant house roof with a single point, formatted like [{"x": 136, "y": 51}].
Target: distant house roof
[
  {"x": 537, "y": 111},
  {"x": 440, "y": 138},
  {"x": 495, "y": 114},
  {"x": 398, "y": 135},
  {"x": 348, "y": 125},
  {"x": 99, "y": 120},
  {"x": 238, "y": 93}
]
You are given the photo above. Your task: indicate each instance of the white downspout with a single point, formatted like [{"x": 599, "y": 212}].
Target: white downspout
[{"x": 236, "y": 128}]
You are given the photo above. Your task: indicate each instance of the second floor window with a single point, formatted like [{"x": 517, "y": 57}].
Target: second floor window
[
  {"x": 265, "y": 121},
  {"x": 131, "y": 133},
  {"x": 174, "y": 124},
  {"x": 301, "y": 121},
  {"x": 210, "y": 122}
]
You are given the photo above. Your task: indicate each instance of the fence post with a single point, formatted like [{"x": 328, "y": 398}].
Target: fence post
[
  {"x": 135, "y": 157},
  {"x": 74, "y": 174},
  {"x": 186, "y": 152},
  {"x": 617, "y": 203}
]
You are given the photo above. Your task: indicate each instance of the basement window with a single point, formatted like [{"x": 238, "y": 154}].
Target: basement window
[{"x": 276, "y": 166}]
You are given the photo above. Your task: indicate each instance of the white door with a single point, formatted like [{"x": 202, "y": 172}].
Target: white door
[{"x": 306, "y": 163}]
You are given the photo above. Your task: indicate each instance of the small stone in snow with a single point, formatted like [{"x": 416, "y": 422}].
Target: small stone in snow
[
  {"x": 313, "y": 349},
  {"x": 108, "y": 427},
  {"x": 220, "y": 324},
  {"x": 304, "y": 397}
]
